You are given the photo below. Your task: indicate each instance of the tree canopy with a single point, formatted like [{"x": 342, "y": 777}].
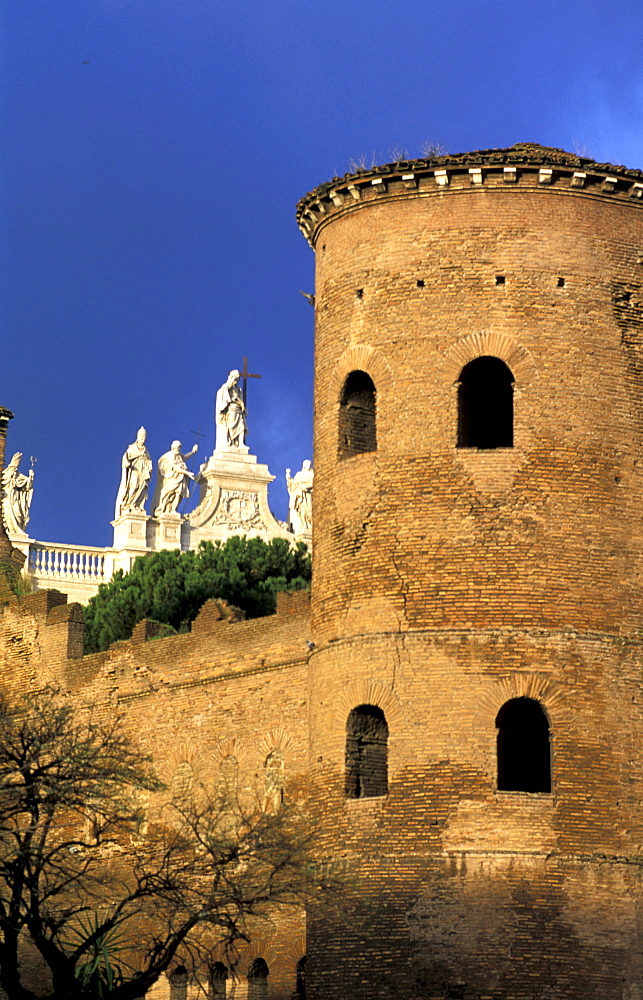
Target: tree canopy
[
  {"x": 172, "y": 586},
  {"x": 101, "y": 899}
]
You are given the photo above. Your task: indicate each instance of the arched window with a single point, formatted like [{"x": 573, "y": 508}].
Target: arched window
[
  {"x": 357, "y": 431},
  {"x": 228, "y": 778},
  {"x": 366, "y": 753},
  {"x": 179, "y": 983},
  {"x": 485, "y": 404},
  {"x": 274, "y": 781},
  {"x": 258, "y": 980},
  {"x": 218, "y": 977},
  {"x": 524, "y": 753},
  {"x": 182, "y": 782},
  {"x": 141, "y": 801},
  {"x": 300, "y": 983}
]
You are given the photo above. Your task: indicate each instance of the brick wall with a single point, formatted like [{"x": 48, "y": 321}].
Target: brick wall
[
  {"x": 451, "y": 580},
  {"x": 230, "y": 689}
]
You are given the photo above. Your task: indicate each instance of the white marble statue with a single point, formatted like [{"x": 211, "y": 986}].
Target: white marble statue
[
  {"x": 300, "y": 489},
  {"x": 135, "y": 479},
  {"x": 173, "y": 476},
  {"x": 17, "y": 493},
  {"x": 230, "y": 414}
]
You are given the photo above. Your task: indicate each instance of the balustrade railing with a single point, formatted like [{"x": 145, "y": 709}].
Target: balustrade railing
[{"x": 69, "y": 562}]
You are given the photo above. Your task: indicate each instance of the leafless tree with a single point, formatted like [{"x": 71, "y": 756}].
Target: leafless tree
[
  {"x": 430, "y": 148},
  {"x": 80, "y": 886},
  {"x": 581, "y": 149},
  {"x": 357, "y": 163}
]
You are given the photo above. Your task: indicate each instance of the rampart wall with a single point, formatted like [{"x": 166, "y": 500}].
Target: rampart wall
[{"x": 230, "y": 690}]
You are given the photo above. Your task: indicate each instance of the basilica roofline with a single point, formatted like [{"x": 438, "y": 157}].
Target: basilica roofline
[{"x": 547, "y": 166}]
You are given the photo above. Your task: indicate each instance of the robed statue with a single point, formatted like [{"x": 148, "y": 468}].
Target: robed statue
[
  {"x": 300, "y": 489},
  {"x": 172, "y": 484},
  {"x": 230, "y": 414},
  {"x": 17, "y": 493},
  {"x": 135, "y": 478}
]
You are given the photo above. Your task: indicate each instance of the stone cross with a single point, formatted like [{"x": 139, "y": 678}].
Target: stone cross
[{"x": 244, "y": 374}]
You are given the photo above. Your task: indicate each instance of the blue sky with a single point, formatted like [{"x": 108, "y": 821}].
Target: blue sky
[{"x": 153, "y": 152}]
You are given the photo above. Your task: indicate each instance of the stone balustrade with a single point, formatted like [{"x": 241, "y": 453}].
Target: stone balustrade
[
  {"x": 77, "y": 570},
  {"x": 68, "y": 562}
]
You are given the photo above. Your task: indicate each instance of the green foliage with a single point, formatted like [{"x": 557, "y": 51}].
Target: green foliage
[
  {"x": 9, "y": 581},
  {"x": 171, "y": 587},
  {"x": 100, "y": 973}
]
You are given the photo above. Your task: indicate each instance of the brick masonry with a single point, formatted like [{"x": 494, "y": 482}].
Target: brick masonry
[
  {"x": 447, "y": 581},
  {"x": 231, "y": 688},
  {"x": 450, "y": 580}
]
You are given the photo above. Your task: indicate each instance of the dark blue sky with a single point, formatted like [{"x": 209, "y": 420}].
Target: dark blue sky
[{"x": 153, "y": 152}]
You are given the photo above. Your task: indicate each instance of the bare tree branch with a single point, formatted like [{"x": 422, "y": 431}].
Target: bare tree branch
[{"x": 79, "y": 887}]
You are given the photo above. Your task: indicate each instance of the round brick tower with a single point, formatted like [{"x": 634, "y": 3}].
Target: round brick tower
[{"x": 476, "y": 697}]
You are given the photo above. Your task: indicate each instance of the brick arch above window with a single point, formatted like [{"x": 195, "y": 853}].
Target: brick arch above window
[
  {"x": 295, "y": 950},
  {"x": 275, "y": 739},
  {"x": 185, "y": 753},
  {"x": 259, "y": 947},
  {"x": 523, "y": 684},
  {"x": 228, "y": 747},
  {"x": 367, "y": 692},
  {"x": 494, "y": 344},
  {"x": 364, "y": 358}
]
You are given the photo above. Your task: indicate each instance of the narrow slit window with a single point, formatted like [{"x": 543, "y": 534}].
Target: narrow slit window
[
  {"x": 300, "y": 984},
  {"x": 366, "y": 753},
  {"x": 228, "y": 778},
  {"x": 524, "y": 750},
  {"x": 485, "y": 404},
  {"x": 182, "y": 782},
  {"x": 357, "y": 432},
  {"x": 218, "y": 978},
  {"x": 179, "y": 983},
  {"x": 258, "y": 980},
  {"x": 274, "y": 781}
]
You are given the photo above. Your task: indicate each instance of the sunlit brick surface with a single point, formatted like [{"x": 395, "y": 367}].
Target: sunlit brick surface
[{"x": 450, "y": 580}]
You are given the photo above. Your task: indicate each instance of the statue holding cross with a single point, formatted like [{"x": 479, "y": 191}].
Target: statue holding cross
[{"x": 230, "y": 410}]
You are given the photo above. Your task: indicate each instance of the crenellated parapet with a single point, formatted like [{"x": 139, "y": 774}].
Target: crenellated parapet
[{"x": 525, "y": 165}]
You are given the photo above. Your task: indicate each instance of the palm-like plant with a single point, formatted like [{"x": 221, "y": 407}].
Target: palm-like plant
[{"x": 102, "y": 970}]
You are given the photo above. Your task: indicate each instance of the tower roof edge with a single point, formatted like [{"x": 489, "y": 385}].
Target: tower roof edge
[{"x": 527, "y": 155}]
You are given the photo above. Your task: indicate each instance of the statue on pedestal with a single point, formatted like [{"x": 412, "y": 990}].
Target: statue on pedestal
[
  {"x": 230, "y": 414},
  {"x": 173, "y": 476},
  {"x": 17, "y": 490},
  {"x": 300, "y": 489},
  {"x": 135, "y": 479}
]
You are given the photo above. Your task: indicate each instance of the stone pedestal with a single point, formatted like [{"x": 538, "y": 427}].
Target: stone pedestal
[
  {"x": 130, "y": 531},
  {"x": 130, "y": 538},
  {"x": 234, "y": 500},
  {"x": 168, "y": 531}
]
